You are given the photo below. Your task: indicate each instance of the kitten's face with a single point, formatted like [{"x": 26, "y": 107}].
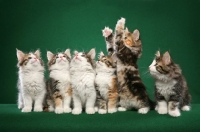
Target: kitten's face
[
  {"x": 59, "y": 58},
  {"x": 84, "y": 57},
  {"x": 105, "y": 62},
  {"x": 29, "y": 60},
  {"x": 160, "y": 67}
]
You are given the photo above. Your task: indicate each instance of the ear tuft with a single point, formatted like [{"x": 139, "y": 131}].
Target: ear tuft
[
  {"x": 136, "y": 34},
  {"x": 20, "y": 55},
  {"x": 166, "y": 58},
  {"x": 37, "y": 52},
  {"x": 67, "y": 52},
  {"x": 92, "y": 53},
  {"x": 49, "y": 55},
  {"x": 157, "y": 54},
  {"x": 101, "y": 53}
]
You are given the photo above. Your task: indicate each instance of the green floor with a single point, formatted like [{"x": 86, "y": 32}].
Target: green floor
[{"x": 13, "y": 120}]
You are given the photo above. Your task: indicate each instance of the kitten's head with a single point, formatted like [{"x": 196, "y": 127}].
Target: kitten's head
[
  {"x": 83, "y": 58},
  {"x": 132, "y": 42},
  {"x": 106, "y": 62},
  {"x": 30, "y": 60},
  {"x": 59, "y": 60},
  {"x": 163, "y": 68}
]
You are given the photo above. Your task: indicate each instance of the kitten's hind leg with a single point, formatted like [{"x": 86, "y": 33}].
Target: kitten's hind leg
[
  {"x": 20, "y": 101},
  {"x": 185, "y": 108},
  {"x": 77, "y": 105}
]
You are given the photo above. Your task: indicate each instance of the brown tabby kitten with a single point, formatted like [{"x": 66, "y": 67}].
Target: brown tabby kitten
[
  {"x": 106, "y": 84},
  {"x": 128, "y": 47},
  {"x": 171, "y": 91}
]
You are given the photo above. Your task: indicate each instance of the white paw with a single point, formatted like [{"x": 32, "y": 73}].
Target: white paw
[
  {"x": 102, "y": 111},
  {"x": 185, "y": 108},
  {"x": 96, "y": 109},
  {"x": 121, "y": 22},
  {"x": 162, "y": 110},
  {"x": 121, "y": 109},
  {"x": 113, "y": 110},
  {"x": 90, "y": 110},
  {"x": 50, "y": 109},
  {"x": 174, "y": 113},
  {"x": 107, "y": 31},
  {"x": 76, "y": 111},
  {"x": 26, "y": 109},
  {"x": 59, "y": 110},
  {"x": 143, "y": 110},
  {"x": 156, "y": 108},
  {"x": 38, "y": 109},
  {"x": 20, "y": 106},
  {"x": 67, "y": 110}
]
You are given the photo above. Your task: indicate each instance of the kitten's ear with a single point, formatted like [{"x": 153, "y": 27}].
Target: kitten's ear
[
  {"x": 49, "y": 55},
  {"x": 126, "y": 30},
  {"x": 37, "y": 52},
  {"x": 20, "y": 55},
  {"x": 166, "y": 58},
  {"x": 136, "y": 35},
  {"x": 157, "y": 54},
  {"x": 75, "y": 52},
  {"x": 67, "y": 52},
  {"x": 92, "y": 53},
  {"x": 101, "y": 53}
]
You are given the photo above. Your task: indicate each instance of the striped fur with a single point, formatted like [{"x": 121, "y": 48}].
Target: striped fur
[{"x": 170, "y": 85}]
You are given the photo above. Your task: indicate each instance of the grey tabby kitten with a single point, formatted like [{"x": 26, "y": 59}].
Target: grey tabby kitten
[
  {"x": 171, "y": 90},
  {"x": 106, "y": 84}
]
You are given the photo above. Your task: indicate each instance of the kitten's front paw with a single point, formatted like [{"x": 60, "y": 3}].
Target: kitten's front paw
[
  {"x": 26, "y": 109},
  {"x": 113, "y": 110},
  {"x": 67, "y": 110},
  {"x": 162, "y": 110},
  {"x": 20, "y": 106},
  {"x": 102, "y": 111},
  {"x": 106, "y": 32},
  {"x": 76, "y": 111},
  {"x": 143, "y": 110},
  {"x": 185, "y": 108},
  {"x": 59, "y": 110},
  {"x": 121, "y": 109},
  {"x": 96, "y": 109},
  {"x": 90, "y": 110},
  {"x": 50, "y": 109},
  {"x": 38, "y": 109},
  {"x": 120, "y": 23},
  {"x": 174, "y": 113},
  {"x": 156, "y": 108}
]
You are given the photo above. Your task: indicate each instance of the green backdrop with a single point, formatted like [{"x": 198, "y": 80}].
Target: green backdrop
[
  {"x": 56, "y": 25},
  {"x": 76, "y": 24}
]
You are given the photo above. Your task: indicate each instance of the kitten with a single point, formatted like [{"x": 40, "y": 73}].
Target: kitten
[
  {"x": 127, "y": 47},
  {"x": 82, "y": 80},
  {"x": 59, "y": 87},
  {"x": 171, "y": 91},
  {"x": 31, "y": 82},
  {"x": 106, "y": 84}
]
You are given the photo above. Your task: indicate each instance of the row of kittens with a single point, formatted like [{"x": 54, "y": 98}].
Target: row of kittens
[{"x": 112, "y": 83}]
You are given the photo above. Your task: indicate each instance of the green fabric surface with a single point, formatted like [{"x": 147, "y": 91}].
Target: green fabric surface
[
  {"x": 11, "y": 119},
  {"x": 56, "y": 25}
]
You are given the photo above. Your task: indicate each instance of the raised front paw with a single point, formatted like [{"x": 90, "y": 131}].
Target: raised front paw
[
  {"x": 107, "y": 32},
  {"x": 120, "y": 24}
]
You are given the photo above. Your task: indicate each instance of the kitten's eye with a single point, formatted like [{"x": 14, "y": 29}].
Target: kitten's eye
[
  {"x": 29, "y": 57},
  {"x": 83, "y": 55},
  {"x": 63, "y": 55}
]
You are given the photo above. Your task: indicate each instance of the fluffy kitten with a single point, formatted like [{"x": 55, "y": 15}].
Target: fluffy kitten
[
  {"x": 171, "y": 91},
  {"x": 58, "y": 87},
  {"x": 127, "y": 47},
  {"x": 106, "y": 84},
  {"x": 82, "y": 80},
  {"x": 31, "y": 82}
]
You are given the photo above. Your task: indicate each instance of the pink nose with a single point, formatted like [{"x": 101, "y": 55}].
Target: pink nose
[
  {"x": 61, "y": 57},
  {"x": 35, "y": 58}
]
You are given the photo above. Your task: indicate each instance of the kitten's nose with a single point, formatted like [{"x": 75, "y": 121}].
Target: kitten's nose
[
  {"x": 61, "y": 57},
  {"x": 35, "y": 58}
]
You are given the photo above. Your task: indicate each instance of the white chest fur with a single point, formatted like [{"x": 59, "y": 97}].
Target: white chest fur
[{"x": 166, "y": 88}]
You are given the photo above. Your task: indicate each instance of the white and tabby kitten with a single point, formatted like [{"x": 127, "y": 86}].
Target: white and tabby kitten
[
  {"x": 106, "y": 84},
  {"x": 58, "y": 86},
  {"x": 31, "y": 83},
  {"x": 82, "y": 80}
]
